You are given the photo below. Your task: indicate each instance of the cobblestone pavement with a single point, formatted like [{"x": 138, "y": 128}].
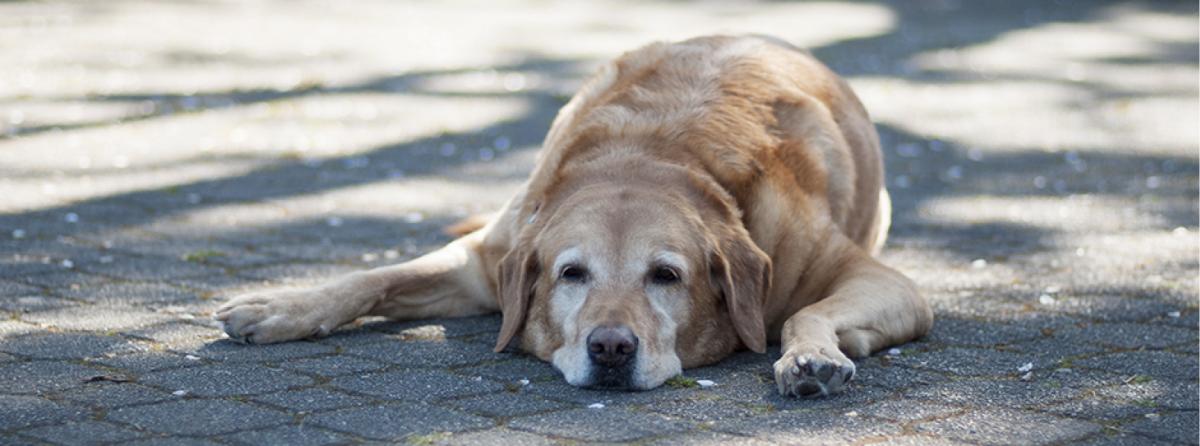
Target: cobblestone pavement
[{"x": 159, "y": 157}]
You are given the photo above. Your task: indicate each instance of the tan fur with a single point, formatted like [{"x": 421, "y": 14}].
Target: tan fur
[{"x": 742, "y": 156}]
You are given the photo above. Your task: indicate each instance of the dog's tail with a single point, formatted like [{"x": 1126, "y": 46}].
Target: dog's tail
[{"x": 469, "y": 224}]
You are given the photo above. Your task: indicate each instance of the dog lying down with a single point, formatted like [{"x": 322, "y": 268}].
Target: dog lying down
[{"x": 693, "y": 199}]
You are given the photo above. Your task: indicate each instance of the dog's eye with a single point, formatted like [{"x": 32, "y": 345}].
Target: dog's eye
[
  {"x": 664, "y": 275},
  {"x": 573, "y": 273}
]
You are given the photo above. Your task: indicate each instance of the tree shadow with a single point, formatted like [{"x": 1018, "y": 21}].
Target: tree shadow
[
  {"x": 949, "y": 172},
  {"x": 957, "y": 25},
  {"x": 296, "y": 177}
]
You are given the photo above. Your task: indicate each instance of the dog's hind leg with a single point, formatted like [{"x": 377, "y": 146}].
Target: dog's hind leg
[
  {"x": 868, "y": 306},
  {"x": 449, "y": 282}
]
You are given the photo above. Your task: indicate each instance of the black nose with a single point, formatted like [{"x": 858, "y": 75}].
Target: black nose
[{"x": 612, "y": 346}]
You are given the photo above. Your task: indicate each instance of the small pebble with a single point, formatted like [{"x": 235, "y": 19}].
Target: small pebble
[
  {"x": 179, "y": 393},
  {"x": 978, "y": 263},
  {"x": 596, "y": 406},
  {"x": 523, "y": 382},
  {"x": 71, "y": 217},
  {"x": 477, "y": 379},
  {"x": 334, "y": 221},
  {"x": 704, "y": 383},
  {"x": 18, "y": 233},
  {"x": 192, "y": 358},
  {"x": 413, "y": 217},
  {"x": 1027, "y": 376},
  {"x": 391, "y": 254},
  {"x": 67, "y": 263},
  {"x": 893, "y": 352},
  {"x": 1025, "y": 368},
  {"x": 851, "y": 414},
  {"x": 370, "y": 257},
  {"x": 1151, "y": 415},
  {"x": 1046, "y": 299},
  {"x": 1173, "y": 314}
]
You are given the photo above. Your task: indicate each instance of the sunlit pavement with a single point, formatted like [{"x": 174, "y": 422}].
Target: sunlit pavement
[{"x": 158, "y": 157}]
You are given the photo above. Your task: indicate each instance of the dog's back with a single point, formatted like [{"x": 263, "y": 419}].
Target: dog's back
[{"x": 744, "y": 107}]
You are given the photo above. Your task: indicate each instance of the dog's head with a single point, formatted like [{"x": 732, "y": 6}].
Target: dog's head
[{"x": 623, "y": 285}]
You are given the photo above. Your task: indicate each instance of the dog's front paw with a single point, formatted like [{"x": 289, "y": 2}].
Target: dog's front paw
[
  {"x": 277, "y": 316},
  {"x": 809, "y": 371}
]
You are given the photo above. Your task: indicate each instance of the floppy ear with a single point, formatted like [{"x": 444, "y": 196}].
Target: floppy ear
[
  {"x": 743, "y": 272},
  {"x": 518, "y": 272}
]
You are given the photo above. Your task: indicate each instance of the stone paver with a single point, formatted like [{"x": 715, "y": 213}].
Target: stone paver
[
  {"x": 41, "y": 377},
  {"x": 225, "y": 380},
  {"x": 414, "y": 385},
  {"x": 65, "y": 346},
  {"x": 506, "y": 405},
  {"x": 608, "y": 425},
  {"x": 198, "y": 417},
  {"x": 329, "y": 366},
  {"x": 995, "y": 427},
  {"x": 1153, "y": 363},
  {"x": 309, "y": 400},
  {"x": 811, "y": 428},
  {"x": 83, "y": 432},
  {"x": 399, "y": 421},
  {"x": 1177, "y": 426},
  {"x": 21, "y": 411},
  {"x": 157, "y": 158},
  {"x": 291, "y": 435},
  {"x": 108, "y": 395}
]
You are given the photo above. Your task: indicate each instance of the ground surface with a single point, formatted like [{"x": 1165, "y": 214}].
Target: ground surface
[{"x": 158, "y": 157}]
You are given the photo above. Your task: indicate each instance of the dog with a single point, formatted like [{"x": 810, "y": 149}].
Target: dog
[{"x": 693, "y": 199}]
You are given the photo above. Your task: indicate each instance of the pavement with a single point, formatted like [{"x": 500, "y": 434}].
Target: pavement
[{"x": 157, "y": 158}]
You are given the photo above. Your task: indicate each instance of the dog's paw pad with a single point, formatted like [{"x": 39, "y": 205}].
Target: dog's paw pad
[{"x": 813, "y": 374}]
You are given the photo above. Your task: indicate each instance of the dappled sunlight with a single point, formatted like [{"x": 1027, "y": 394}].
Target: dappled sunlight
[
  {"x": 215, "y": 48},
  {"x": 183, "y": 149},
  {"x": 410, "y": 201},
  {"x": 1102, "y": 84},
  {"x": 1073, "y": 213}
]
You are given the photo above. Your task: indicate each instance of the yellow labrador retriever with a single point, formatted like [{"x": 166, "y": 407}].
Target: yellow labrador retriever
[{"x": 693, "y": 199}]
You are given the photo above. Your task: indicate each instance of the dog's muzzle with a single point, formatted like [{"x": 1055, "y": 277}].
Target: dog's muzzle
[{"x": 612, "y": 351}]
